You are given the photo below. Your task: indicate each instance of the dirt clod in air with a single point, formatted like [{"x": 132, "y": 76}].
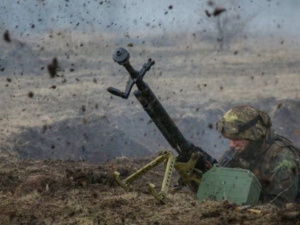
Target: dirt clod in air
[
  {"x": 218, "y": 11},
  {"x": 52, "y": 68},
  {"x": 6, "y": 36}
]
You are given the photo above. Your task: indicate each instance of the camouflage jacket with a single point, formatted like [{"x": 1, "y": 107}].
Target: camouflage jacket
[{"x": 276, "y": 164}]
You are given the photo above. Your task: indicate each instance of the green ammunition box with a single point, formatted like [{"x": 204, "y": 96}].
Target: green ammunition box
[{"x": 235, "y": 185}]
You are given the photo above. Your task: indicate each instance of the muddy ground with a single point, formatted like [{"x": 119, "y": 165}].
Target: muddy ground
[
  {"x": 63, "y": 136},
  {"x": 66, "y": 192}
]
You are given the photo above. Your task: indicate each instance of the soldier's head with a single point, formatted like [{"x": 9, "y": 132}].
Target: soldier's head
[{"x": 244, "y": 124}]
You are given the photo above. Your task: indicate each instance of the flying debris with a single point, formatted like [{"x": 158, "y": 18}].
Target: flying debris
[
  {"x": 53, "y": 68},
  {"x": 218, "y": 11},
  {"x": 6, "y": 36}
]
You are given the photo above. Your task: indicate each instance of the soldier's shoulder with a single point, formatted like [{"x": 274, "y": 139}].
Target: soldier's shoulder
[
  {"x": 286, "y": 143},
  {"x": 283, "y": 147},
  {"x": 280, "y": 145}
]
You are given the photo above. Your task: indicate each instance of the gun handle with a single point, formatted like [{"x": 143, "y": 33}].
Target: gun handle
[{"x": 117, "y": 92}]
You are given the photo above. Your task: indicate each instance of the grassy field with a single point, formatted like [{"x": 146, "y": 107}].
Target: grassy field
[{"x": 189, "y": 75}]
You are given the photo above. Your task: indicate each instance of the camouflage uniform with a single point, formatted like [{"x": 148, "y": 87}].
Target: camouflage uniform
[{"x": 272, "y": 158}]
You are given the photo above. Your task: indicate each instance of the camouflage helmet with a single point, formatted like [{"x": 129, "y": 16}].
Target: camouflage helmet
[{"x": 244, "y": 123}]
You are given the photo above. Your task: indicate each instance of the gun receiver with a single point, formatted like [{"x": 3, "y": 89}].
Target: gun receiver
[{"x": 189, "y": 156}]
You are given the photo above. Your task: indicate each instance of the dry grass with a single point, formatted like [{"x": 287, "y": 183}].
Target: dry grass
[{"x": 67, "y": 201}]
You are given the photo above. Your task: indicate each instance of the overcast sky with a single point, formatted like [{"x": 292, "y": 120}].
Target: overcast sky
[{"x": 155, "y": 16}]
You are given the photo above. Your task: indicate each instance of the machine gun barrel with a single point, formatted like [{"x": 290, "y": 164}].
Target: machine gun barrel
[
  {"x": 156, "y": 111},
  {"x": 161, "y": 118}
]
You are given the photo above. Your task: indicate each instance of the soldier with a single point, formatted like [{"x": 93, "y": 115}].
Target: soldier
[{"x": 254, "y": 145}]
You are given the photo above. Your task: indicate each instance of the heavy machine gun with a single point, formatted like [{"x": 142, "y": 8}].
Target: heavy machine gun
[{"x": 191, "y": 161}]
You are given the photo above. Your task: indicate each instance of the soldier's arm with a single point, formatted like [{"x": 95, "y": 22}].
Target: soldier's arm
[{"x": 282, "y": 175}]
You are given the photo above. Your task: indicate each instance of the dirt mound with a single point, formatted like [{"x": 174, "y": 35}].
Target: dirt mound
[
  {"x": 93, "y": 140},
  {"x": 131, "y": 133},
  {"x": 68, "y": 192},
  {"x": 197, "y": 122}
]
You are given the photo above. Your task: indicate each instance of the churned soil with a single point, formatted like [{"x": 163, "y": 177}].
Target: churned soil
[{"x": 69, "y": 192}]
